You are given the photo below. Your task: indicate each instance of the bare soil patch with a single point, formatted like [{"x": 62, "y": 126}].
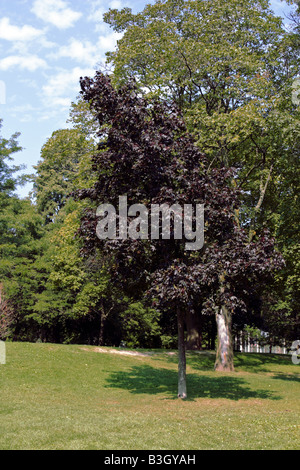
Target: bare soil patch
[{"x": 117, "y": 351}]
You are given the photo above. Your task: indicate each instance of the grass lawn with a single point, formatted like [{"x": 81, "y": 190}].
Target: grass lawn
[{"x": 73, "y": 397}]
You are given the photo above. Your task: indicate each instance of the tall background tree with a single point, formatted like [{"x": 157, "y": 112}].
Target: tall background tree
[
  {"x": 20, "y": 233},
  {"x": 230, "y": 67},
  {"x": 58, "y": 171}
]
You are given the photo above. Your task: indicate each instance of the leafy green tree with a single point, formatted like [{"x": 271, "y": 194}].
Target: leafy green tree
[
  {"x": 140, "y": 326},
  {"x": 231, "y": 68},
  {"x": 8, "y": 181},
  {"x": 20, "y": 231},
  {"x": 196, "y": 51},
  {"x": 84, "y": 285},
  {"x": 21, "y": 234},
  {"x": 59, "y": 170},
  {"x": 226, "y": 65},
  {"x": 82, "y": 118},
  {"x": 281, "y": 310}
]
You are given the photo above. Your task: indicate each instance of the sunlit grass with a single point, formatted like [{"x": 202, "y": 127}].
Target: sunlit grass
[{"x": 73, "y": 397}]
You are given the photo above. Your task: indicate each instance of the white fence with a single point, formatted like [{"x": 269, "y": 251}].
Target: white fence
[{"x": 244, "y": 343}]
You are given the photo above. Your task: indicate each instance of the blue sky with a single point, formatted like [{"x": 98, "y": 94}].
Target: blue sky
[{"x": 45, "y": 46}]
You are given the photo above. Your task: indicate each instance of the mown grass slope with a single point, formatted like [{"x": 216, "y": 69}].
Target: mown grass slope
[{"x": 75, "y": 397}]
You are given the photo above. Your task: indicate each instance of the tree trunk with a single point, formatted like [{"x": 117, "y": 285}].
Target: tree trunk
[
  {"x": 224, "y": 356},
  {"x": 101, "y": 329},
  {"x": 194, "y": 339},
  {"x": 270, "y": 346},
  {"x": 182, "y": 393},
  {"x": 262, "y": 190},
  {"x": 103, "y": 317}
]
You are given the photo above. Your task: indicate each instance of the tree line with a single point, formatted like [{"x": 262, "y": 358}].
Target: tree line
[{"x": 199, "y": 106}]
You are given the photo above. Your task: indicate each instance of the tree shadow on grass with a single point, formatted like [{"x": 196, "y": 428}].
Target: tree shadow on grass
[
  {"x": 248, "y": 362},
  {"x": 203, "y": 360},
  {"x": 145, "y": 379},
  {"x": 259, "y": 362},
  {"x": 288, "y": 377}
]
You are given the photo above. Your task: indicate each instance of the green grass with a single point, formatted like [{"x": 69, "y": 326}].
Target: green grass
[{"x": 72, "y": 397}]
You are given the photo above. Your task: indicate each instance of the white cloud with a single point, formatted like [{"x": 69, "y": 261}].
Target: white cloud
[
  {"x": 82, "y": 51},
  {"x": 10, "y": 32},
  {"x": 55, "y": 12},
  {"x": 86, "y": 52},
  {"x": 108, "y": 42},
  {"x": 63, "y": 87},
  {"x": 30, "y": 62}
]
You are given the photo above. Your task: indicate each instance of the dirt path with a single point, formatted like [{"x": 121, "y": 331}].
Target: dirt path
[{"x": 118, "y": 351}]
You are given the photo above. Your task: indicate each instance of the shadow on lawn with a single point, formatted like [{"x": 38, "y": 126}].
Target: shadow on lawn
[
  {"x": 254, "y": 362},
  {"x": 197, "y": 361},
  {"x": 288, "y": 377},
  {"x": 149, "y": 380},
  {"x": 248, "y": 362}
]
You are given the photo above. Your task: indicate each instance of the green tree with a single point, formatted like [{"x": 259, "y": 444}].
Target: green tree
[
  {"x": 140, "y": 326},
  {"x": 227, "y": 66},
  {"x": 59, "y": 171},
  {"x": 231, "y": 68},
  {"x": 21, "y": 233},
  {"x": 8, "y": 182}
]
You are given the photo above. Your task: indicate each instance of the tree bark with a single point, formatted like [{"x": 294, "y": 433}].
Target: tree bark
[
  {"x": 182, "y": 391},
  {"x": 224, "y": 356},
  {"x": 101, "y": 328},
  {"x": 262, "y": 191},
  {"x": 103, "y": 317}
]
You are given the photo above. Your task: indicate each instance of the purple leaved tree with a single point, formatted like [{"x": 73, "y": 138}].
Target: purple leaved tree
[{"x": 146, "y": 154}]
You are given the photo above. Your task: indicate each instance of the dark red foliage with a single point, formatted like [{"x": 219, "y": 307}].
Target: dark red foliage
[{"x": 146, "y": 153}]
